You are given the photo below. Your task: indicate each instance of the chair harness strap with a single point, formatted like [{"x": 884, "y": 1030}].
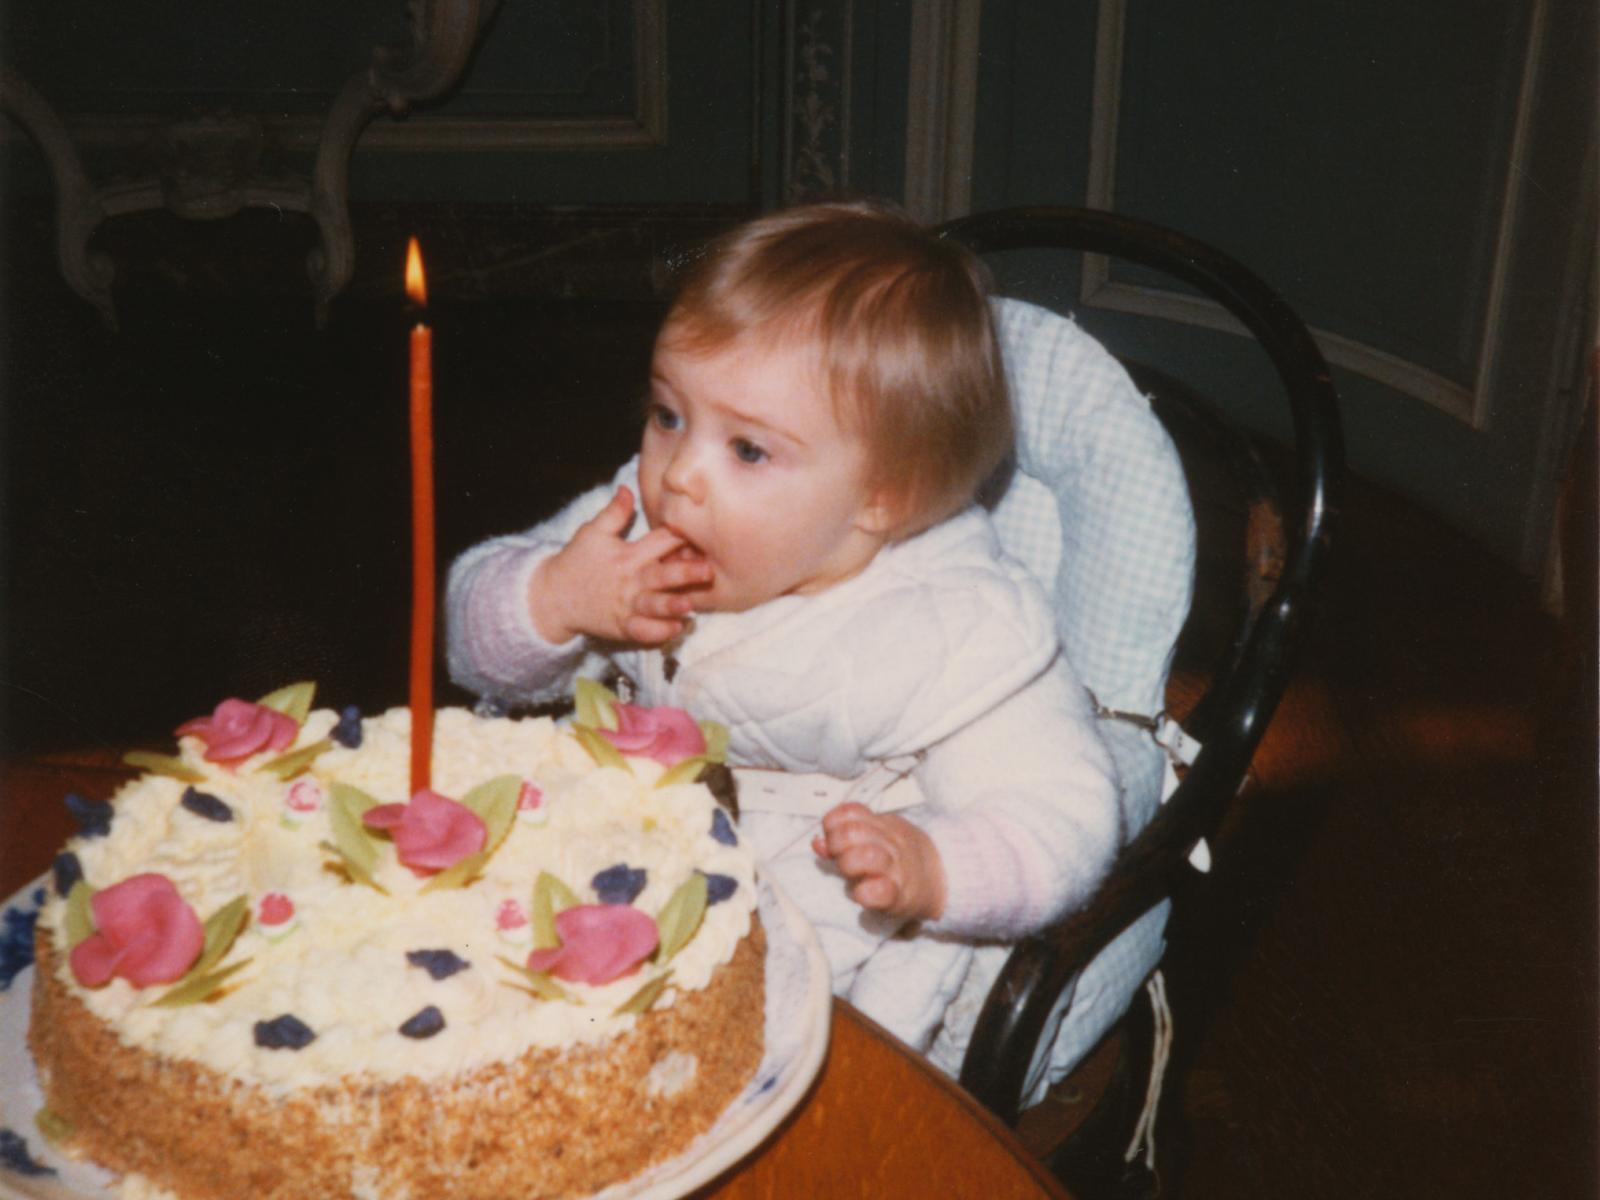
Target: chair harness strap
[
  {"x": 1144, "y": 1133},
  {"x": 1181, "y": 749}
]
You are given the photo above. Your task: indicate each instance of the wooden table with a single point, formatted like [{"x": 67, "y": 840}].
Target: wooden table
[{"x": 879, "y": 1122}]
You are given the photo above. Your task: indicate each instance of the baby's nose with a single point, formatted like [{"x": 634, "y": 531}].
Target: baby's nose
[{"x": 683, "y": 474}]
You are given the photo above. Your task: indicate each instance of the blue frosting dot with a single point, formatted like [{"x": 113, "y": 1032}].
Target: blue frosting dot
[
  {"x": 619, "y": 884},
  {"x": 287, "y": 1032},
  {"x": 204, "y": 804},
  {"x": 93, "y": 818},
  {"x": 722, "y": 828},
  {"x": 68, "y": 870},
  {"x": 719, "y": 887},
  {"x": 348, "y": 731},
  {"x": 15, "y": 1155},
  {"x": 424, "y": 1024},
  {"x": 16, "y": 939},
  {"x": 441, "y": 964}
]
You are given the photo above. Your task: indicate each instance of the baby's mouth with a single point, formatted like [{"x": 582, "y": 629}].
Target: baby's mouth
[{"x": 688, "y": 552}]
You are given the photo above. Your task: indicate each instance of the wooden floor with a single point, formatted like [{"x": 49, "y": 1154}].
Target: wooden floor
[{"x": 1393, "y": 990}]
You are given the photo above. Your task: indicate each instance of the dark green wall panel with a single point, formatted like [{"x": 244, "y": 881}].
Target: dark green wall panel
[{"x": 1412, "y": 178}]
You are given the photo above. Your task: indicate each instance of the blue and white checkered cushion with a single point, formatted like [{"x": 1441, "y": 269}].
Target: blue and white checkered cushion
[{"x": 1098, "y": 509}]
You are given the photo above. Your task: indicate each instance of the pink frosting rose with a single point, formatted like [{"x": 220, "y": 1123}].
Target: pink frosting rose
[
  {"x": 144, "y": 932},
  {"x": 275, "y": 909},
  {"x": 599, "y": 943},
  {"x": 668, "y": 735},
  {"x": 430, "y": 833},
  {"x": 510, "y": 916},
  {"x": 239, "y": 729}
]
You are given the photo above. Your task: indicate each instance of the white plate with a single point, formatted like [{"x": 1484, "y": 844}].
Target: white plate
[{"x": 798, "y": 1010}]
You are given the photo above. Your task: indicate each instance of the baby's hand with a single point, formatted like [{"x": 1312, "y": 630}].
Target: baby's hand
[
  {"x": 603, "y": 586},
  {"x": 891, "y": 865}
]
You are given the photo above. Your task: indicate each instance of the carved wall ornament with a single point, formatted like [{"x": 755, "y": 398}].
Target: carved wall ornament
[
  {"x": 211, "y": 166},
  {"x": 817, "y": 165}
]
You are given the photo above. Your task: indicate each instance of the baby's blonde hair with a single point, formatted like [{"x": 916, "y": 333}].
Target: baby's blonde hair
[{"x": 900, "y": 323}]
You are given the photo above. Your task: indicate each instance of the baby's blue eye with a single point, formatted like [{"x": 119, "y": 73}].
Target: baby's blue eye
[
  {"x": 665, "y": 418},
  {"x": 748, "y": 451}
]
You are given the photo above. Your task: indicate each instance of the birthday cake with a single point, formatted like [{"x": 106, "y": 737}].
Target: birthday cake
[{"x": 263, "y": 971}]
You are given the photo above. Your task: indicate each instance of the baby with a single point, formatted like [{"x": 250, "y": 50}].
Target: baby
[{"x": 795, "y": 553}]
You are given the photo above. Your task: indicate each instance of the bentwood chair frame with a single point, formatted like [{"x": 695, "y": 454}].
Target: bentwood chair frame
[{"x": 1284, "y": 561}]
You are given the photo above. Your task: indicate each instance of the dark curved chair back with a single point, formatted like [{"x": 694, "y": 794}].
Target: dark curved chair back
[{"x": 1249, "y": 681}]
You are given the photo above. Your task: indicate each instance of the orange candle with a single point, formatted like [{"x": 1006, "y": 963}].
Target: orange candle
[{"x": 422, "y": 523}]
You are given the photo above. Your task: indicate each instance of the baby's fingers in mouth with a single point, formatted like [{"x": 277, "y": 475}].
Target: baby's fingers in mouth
[
  {"x": 688, "y": 552},
  {"x": 686, "y": 573}
]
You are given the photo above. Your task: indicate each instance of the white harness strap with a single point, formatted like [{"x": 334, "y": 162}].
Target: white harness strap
[
  {"x": 1181, "y": 750},
  {"x": 1144, "y": 1133},
  {"x": 884, "y": 787}
]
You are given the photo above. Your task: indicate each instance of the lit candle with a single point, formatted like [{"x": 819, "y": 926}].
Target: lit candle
[{"x": 422, "y": 585}]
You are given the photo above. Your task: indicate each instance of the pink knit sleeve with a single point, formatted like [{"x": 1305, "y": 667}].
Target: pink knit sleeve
[
  {"x": 1022, "y": 808},
  {"x": 491, "y": 643}
]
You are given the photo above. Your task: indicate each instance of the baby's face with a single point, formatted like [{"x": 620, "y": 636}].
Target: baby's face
[{"x": 744, "y": 458}]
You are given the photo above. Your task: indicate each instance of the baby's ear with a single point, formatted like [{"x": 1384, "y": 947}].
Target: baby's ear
[{"x": 882, "y": 513}]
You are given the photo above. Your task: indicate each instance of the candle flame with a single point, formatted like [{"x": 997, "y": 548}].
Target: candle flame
[{"x": 416, "y": 286}]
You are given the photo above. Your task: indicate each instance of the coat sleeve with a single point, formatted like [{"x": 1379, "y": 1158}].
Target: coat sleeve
[
  {"x": 492, "y": 646},
  {"x": 1022, "y": 808}
]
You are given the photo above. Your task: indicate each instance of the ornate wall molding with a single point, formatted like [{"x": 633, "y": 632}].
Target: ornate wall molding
[
  {"x": 210, "y": 167},
  {"x": 644, "y": 128},
  {"x": 1468, "y": 403},
  {"x": 817, "y": 73}
]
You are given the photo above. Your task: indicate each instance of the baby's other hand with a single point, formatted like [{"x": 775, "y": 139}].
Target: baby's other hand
[
  {"x": 891, "y": 865},
  {"x": 601, "y": 585}
]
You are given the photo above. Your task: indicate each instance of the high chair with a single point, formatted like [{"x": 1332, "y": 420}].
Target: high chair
[{"x": 1096, "y": 503}]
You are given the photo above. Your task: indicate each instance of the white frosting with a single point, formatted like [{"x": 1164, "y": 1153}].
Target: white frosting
[
  {"x": 343, "y": 970},
  {"x": 671, "y": 1074}
]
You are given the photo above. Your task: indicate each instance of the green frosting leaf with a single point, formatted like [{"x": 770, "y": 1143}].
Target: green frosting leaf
[
  {"x": 686, "y": 771},
  {"x": 79, "y": 918},
  {"x": 55, "y": 1128},
  {"x": 293, "y": 701},
  {"x": 540, "y": 985},
  {"x": 550, "y": 896},
  {"x": 602, "y": 751},
  {"x": 169, "y": 765},
  {"x": 192, "y": 988},
  {"x": 220, "y": 931},
  {"x": 716, "y": 735},
  {"x": 287, "y": 766},
  {"x": 641, "y": 1000},
  {"x": 458, "y": 874},
  {"x": 357, "y": 874},
  {"x": 680, "y": 916},
  {"x": 495, "y": 803},
  {"x": 595, "y": 704},
  {"x": 351, "y": 841}
]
